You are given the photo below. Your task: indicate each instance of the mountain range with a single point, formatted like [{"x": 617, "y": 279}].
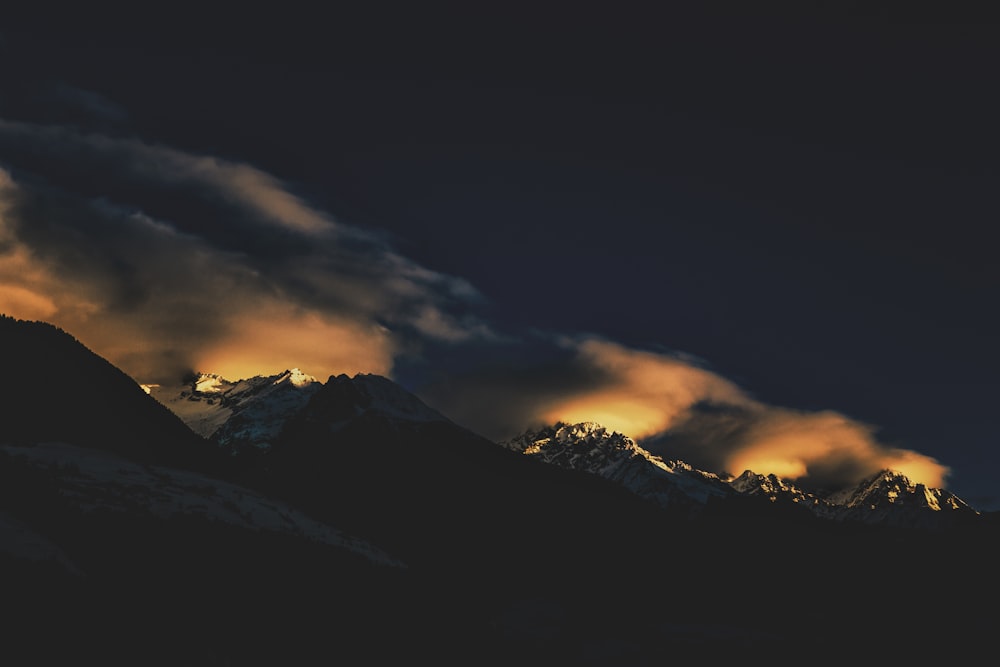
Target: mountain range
[
  {"x": 247, "y": 415},
  {"x": 283, "y": 519},
  {"x": 887, "y": 497}
]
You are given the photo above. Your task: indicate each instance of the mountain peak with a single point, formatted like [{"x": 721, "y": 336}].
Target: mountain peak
[
  {"x": 890, "y": 475},
  {"x": 296, "y": 377},
  {"x": 210, "y": 383},
  {"x": 236, "y": 414},
  {"x": 96, "y": 405},
  {"x": 586, "y": 430},
  {"x": 886, "y": 486},
  {"x": 775, "y": 489},
  {"x": 371, "y": 393},
  {"x": 892, "y": 497},
  {"x": 591, "y": 447}
]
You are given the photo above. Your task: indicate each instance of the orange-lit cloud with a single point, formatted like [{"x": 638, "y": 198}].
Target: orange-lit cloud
[
  {"x": 164, "y": 262},
  {"x": 677, "y": 409},
  {"x": 795, "y": 445},
  {"x": 29, "y": 305},
  {"x": 645, "y": 392},
  {"x": 259, "y": 343}
]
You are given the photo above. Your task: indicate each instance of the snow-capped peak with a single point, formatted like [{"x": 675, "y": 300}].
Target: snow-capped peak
[
  {"x": 249, "y": 411},
  {"x": 886, "y": 497},
  {"x": 587, "y": 431},
  {"x": 296, "y": 377},
  {"x": 888, "y": 488},
  {"x": 594, "y": 448},
  {"x": 884, "y": 486},
  {"x": 755, "y": 483},
  {"x": 774, "y": 488},
  {"x": 208, "y": 383}
]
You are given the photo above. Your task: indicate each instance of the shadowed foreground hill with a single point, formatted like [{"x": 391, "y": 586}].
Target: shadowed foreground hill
[
  {"x": 57, "y": 390},
  {"x": 123, "y": 547},
  {"x": 131, "y": 586}
]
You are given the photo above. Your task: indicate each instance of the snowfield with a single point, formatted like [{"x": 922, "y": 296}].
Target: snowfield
[{"x": 97, "y": 480}]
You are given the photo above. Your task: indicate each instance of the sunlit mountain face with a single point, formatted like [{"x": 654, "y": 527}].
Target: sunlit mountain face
[
  {"x": 888, "y": 497},
  {"x": 247, "y": 413}
]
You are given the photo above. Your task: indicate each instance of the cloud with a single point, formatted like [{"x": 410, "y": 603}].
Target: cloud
[
  {"x": 645, "y": 392},
  {"x": 140, "y": 172},
  {"x": 319, "y": 342},
  {"x": 31, "y": 305},
  {"x": 826, "y": 448},
  {"x": 675, "y": 408},
  {"x": 93, "y": 105},
  {"x": 164, "y": 261},
  {"x": 574, "y": 379}
]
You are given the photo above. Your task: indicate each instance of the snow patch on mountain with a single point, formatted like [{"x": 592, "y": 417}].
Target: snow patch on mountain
[
  {"x": 245, "y": 413},
  {"x": 97, "y": 480},
  {"x": 593, "y": 448},
  {"x": 211, "y": 384},
  {"x": 19, "y": 540},
  {"x": 887, "y": 497},
  {"x": 891, "y": 497},
  {"x": 297, "y": 378},
  {"x": 776, "y": 489},
  {"x": 204, "y": 413}
]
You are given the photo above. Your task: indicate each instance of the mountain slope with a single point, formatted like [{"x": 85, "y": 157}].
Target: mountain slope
[
  {"x": 890, "y": 498},
  {"x": 239, "y": 416},
  {"x": 120, "y": 563},
  {"x": 887, "y": 498},
  {"x": 122, "y": 545},
  {"x": 592, "y": 448},
  {"x": 778, "y": 490},
  {"x": 510, "y": 560},
  {"x": 561, "y": 557},
  {"x": 91, "y": 480},
  {"x": 374, "y": 453},
  {"x": 61, "y": 391}
]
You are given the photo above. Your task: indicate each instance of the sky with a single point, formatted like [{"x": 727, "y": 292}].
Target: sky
[{"x": 747, "y": 238}]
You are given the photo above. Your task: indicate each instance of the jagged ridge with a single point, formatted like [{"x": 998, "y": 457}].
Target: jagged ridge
[
  {"x": 591, "y": 447},
  {"x": 248, "y": 413},
  {"x": 887, "y": 497}
]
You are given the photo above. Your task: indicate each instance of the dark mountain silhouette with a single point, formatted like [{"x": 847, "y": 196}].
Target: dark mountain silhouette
[
  {"x": 57, "y": 390},
  {"x": 509, "y": 560},
  {"x": 494, "y": 529},
  {"x": 122, "y": 544},
  {"x": 435, "y": 490},
  {"x": 138, "y": 585}
]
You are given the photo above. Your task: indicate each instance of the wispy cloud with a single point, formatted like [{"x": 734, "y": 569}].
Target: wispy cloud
[
  {"x": 675, "y": 408},
  {"x": 164, "y": 261},
  {"x": 645, "y": 393},
  {"x": 94, "y": 106}
]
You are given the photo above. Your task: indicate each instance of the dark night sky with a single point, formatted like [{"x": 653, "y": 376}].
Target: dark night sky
[{"x": 801, "y": 202}]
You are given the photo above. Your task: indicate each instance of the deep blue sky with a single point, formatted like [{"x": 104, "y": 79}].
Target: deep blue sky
[{"x": 804, "y": 201}]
